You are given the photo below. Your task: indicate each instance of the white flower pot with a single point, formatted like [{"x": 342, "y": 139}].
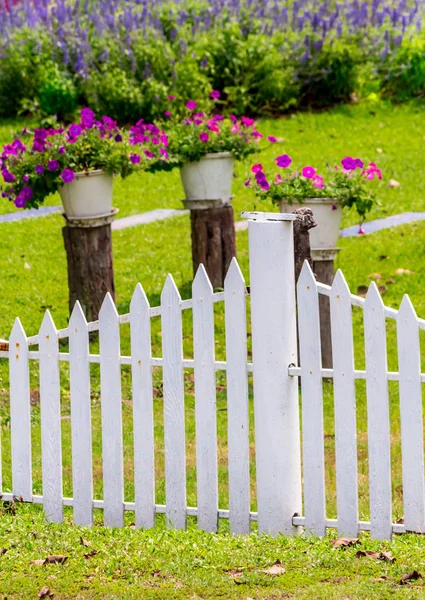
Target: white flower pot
[
  {"x": 89, "y": 195},
  {"x": 209, "y": 179},
  {"x": 327, "y": 213}
]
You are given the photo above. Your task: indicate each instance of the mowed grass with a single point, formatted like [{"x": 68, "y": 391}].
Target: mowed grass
[{"x": 33, "y": 278}]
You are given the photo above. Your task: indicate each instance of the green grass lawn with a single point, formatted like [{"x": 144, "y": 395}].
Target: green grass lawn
[{"x": 163, "y": 564}]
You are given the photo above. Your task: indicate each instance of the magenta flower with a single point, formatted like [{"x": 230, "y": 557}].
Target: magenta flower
[
  {"x": 233, "y": 118},
  {"x": 191, "y": 104},
  {"x": 8, "y": 176},
  {"x": 235, "y": 128},
  {"x": 171, "y": 98},
  {"x": 155, "y": 140},
  {"x": 135, "y": 159},
  {"x": 67, "y": 175},
  {"x": 74, "y": 131},
  {"x": 118, "y": 138},
  {"x": 215, "y": 95},
  {"x": 163, "y": 138},
  {"x": 164, "y": 153},
  {"x": 20, "y": 202},
  {"x": 272, "y": 139},
  {"x": 62, "y": 150},
  {"x": 148, "y": 153},
  {"x": 318, "y": 182},
  {"x": 256, "y": 135},
  {"x": 53, "y": 165},
  {"x": 278, "y": 179},
  {"x": 308, "y": 172},
  {"x": 349, "y": 164},
  {"x": 283, "y": 161},
  {"x": 247, "y": 182},
  {"x": 25, "y": 178},
  {"x": 361, "y": 231},
  {"x": 247, "y": 122},
  {"x": 26, "y": 192},
  {"x": 39, "y": 169},
  {"x": 359, "y": 163},
  {"x": 204, "y": 137},
  {"x": 87, "y": 118},
  {"x": 257, "y": 168},
  {"x": 371, "y": 171},
  {"x": 167, "y": 113}
]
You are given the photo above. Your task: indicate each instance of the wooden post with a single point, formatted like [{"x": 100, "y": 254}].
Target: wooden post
[
  {"x": 302, "y": 226},
  {"x": 324, "y": 269},
  {"x": 88, "y": 245},
  {"x": 213, "y": 238}
]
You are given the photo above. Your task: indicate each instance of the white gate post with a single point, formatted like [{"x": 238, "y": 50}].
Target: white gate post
[{"x": 274, "y": 348}]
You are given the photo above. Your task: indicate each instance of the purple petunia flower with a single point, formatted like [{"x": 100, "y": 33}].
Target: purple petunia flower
[
  {"x": 257, "y": 168},
  {"x": 164, "y": 153},
  {"x": 204, "y": 137},
  {"x": 191, "y": 104},
  {"x": 349, "y": 164},
  {"x": 215, "y": 95},
  {"x": 25, "y": 178},
  {"x": 308, "y": 172},
  {"x": 67, "y": 175},
  {"x": 74, "y": 131},
  {"x": 272, "y": 139},
  {"x": 167, "y": 113},
  {"x": 8, "y": 176},
  {"x": 359, "y": 163},
  {"x": 39, "y": 169},
  {"x": 148, "y": 153},
  {"x": 171, "y": 98},
  {"x": 135, "y": 159},
  {"x": 247, "y": 122},
  {"x": 26, "y": 192},
  {"x": 118, "y": 138},
  {"x": 283, "y": 161},
  {"x": 53, "y": 165},
  {"x": 247, "y": 182},
  {"x": 62, "y": 150},
  {"x": 87, "y": 118},
  {"x": 20, "y": 202}
]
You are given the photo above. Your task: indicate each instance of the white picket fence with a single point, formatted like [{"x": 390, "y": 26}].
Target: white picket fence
[{"x": 285, "y": 499}]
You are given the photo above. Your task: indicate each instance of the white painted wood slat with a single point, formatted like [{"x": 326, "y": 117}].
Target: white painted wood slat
[
  {"x": 345, "y": 407},
  {"x": 205, "y": 402},
  {"x": 312, "y": 403},
  {"x": 143, "y": 418},
  {"x": 20, "y": 413},
  {"x": 237, "y": 400},
  {"x": 174, "y": 409},
  {"x": 50, "y": 413},
  {"x": 409, "y": 365},
  {"x": 378, "y": 418},
  {"x": 79, "y": 367},
  {"x": 112, "y": 436}
]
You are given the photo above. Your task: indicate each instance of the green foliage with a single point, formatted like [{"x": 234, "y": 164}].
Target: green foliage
[
  {"x": 56, "y": 92},
  {"x": 403, "y": 73}
]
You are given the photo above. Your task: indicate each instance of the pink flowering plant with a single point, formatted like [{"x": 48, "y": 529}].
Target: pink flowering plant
[
  {"x": 348, "y": 183},
  {"x": 39, "y": 162},
  {"x": 199, "y": 133}
]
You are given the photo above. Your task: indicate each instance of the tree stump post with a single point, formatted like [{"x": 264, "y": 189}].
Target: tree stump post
[
  {"x": 213, "y": 237},
  {"x": 324, "y": 269},
  {"x": 88, "y": 245}
]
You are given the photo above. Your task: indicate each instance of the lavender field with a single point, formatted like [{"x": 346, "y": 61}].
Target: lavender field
[{"x": 125, "y": 57}]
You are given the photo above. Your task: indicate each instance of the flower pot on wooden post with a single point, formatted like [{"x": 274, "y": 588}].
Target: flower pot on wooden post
[
  {"x": 207, "y": 185},
  {"x": 87, "y": 235},
  {"x": 327, "y": 214}
]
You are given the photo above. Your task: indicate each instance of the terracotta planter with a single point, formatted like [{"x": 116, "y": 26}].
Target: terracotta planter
[
  {"x": 209, "y": 179},
  {"x": 327, "y": 213},
  {"x": 89, "y": 195}
]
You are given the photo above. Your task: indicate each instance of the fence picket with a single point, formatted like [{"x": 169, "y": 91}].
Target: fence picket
[
  {"x": 143, "y": 419},
  {"x": 205, "y": 401},
  {"x": 50, "y": 414},
  {"x": 345, "y": 407},
  {"x": 112, "y": 436},
  {"x": 237, "y": 400},
  {"x": 79, "y": 367},
  {"x": 409, "y": 365},
  {"x": 174, "y": 409},
  {"x": 378, "y": 419},
  {"x": 20, "y": 414},
  {"x": 312, "y": 403}
]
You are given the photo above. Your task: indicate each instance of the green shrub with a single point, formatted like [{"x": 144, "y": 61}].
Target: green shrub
[{"x": 403, "y": 73}]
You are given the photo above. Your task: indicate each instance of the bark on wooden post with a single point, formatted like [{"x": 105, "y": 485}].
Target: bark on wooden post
[
  {"x": 88, "y": 245},
  {"x": 213, "y": 238},
  {"x": 302, "y": 226}
]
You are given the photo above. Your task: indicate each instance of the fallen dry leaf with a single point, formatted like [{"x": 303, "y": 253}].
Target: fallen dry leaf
[
  {"x": 57, "y": 558},
  {"x": 382, "y": 289},
  {"x": 393, "y": 183},
  {"x": 84, "y": 542},
  {"x": 344, "y": 542},
  {"x": 375, "y": 276},
  {"x": 410, "y": 577},
  {"x": 390, "y": 281},
  {"x": 27, "y": 266},
  {"x": 39, "y": 562},
  {"x": 383, "y": 578},
  {"x": 404, "y": 272},
  {"x": 275, "y": 569},
  {"x": 386, "y": 556},
  {"x": 45, "y": 592},
  {"x": 92, "y": 553},
  {"x": 3, "y": 551},
  {"x": 400, "y": 521}
]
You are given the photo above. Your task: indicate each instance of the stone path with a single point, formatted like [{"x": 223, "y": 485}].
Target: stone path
[{"x": 160, "y": 214}]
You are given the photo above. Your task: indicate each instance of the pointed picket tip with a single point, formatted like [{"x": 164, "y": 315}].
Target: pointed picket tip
[
  {"x": 108, "y": 308},
  {"x": 373, "y": 297},
  {"x": 306, "y": 278},
  {"x": 406, "y": 311},
  {"x": 17, "y": 332},
  {"x": 47, "y": 326},
  {"x": 170, "y": 290},
  {"x": 78, "y": 318},
  {"x": 234, "y": 274},
  {"x": 139, "y": 299},
  {"x": 340, "y": 287},
  {"x": 201, "y": 283}
]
